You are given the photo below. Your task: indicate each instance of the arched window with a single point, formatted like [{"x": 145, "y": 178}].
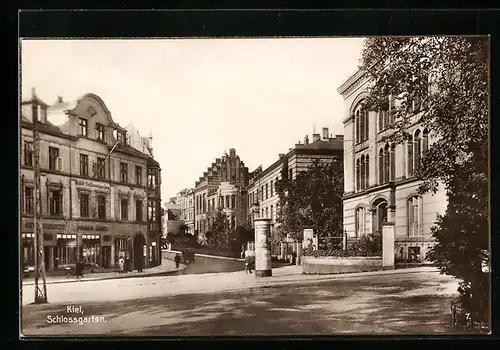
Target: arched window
[
  {"x": 417, "y": 151},
  {"x": 425, "y": 141},
  {"x": 367, "y": 171},
  {"x": 366, "y": 122},
  {"x": 357, "y": 121},
  {"x": 358, "y": 175},
  {"x": 360, "y": 222},
  {"x": 362, "y": 127},
  {"x": 393, "y": 162},
  {"x": 386, "y": 163},
  {"x": 414, "y": 205},
  {"x": 362, "y": 172},
  {"x": 381, "y": 166}
]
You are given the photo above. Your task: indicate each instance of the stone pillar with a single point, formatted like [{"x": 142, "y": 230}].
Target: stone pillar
[
  {"x": 262, "y": 248},
  {"x": 388, "y": 233},
  {"x": 282, "y": 250},
  {"x": 112, "y": 258}
]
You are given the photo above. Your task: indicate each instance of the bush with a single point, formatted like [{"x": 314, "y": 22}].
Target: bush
[{"x": 370, "y": 245}]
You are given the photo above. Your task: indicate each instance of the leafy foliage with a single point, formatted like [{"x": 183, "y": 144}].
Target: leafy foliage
[
  {"x": 442, "y": 83},
  {"x": 312, "y": 200},
  {"x": 369, "y": 245},
  {"x": 218, "y": 233}
]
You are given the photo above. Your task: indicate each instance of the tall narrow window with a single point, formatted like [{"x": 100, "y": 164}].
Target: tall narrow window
[
  {"x": 393, "y": 162},
  {"x": 387, "y": 166},
  {"x": 290, "y": 175},
  {"x": 357, "y": 122},
  {"x": 267, "y": 191},
  {"x": 84, "y": 164},
  {"x": 53, "y": 155},
  {"x": 414, "y": 214},
  {"x": 410, "y": 157},
  {"x": 151, "y": 178},
  {"x": 425, "y": 141},
  {"x": 381, "y": 166},
  {"x": 233, "y": 201},
  {"x": 84, "y": 205},
  {"x": 124, "y": 208},
  {"x": 363, "y": 174},
  {"x": 28, "y": 200},
  {"x": 360, "y": 222},
  {"x": 28, "y": 153},
  {"x": 362, "y": 127},
  {"x": 101, "y": 206},
  {"x": 138, "y": 175},
  {"x": 272, "y": 214},
  {"x": 204, "y": 203},
  {"x": 271, "y": 188},
  {"x": 84, "y": 128},
  {"x": 367, "y": 171},
  {"x": 381, "y": 121},
  {"x": 358, "y": 176},
  {"x": 152, "y": 210},
  {"x": 123, "y": 172},
  {"x": 55, "y": 201},
  {"x": 367, "y": 124},
  {"x": 100, "y": 168},
  {"x": 100, "y": 131},
  {"x": 417, "y": 145}
]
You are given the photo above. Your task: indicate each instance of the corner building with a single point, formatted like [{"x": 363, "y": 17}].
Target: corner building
[
  {"x": 100, "y": 196},
  {"x": 379, "y": 182}
]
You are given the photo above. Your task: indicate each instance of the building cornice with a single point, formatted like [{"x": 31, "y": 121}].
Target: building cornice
[{"x": 352, "y": 83}]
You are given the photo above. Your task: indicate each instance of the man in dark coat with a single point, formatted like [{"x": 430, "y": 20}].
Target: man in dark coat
[{"x": 177, "y": 260}]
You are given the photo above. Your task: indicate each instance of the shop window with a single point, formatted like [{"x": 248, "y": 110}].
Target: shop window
[
  {"x": 66, "y": 250},
  {"x": 91, "y": 250}
]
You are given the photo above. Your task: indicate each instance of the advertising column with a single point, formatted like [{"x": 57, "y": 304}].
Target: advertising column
[{"x": 262, "y": 248}]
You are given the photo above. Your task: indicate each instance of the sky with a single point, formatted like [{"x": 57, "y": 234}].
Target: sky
[{"x": 200, "y": 97}]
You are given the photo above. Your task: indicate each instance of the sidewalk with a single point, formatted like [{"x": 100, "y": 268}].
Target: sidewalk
[{"x": 167, "y": 267}]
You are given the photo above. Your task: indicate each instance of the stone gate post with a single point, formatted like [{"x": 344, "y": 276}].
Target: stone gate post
[{"x": 388, "y": 238}]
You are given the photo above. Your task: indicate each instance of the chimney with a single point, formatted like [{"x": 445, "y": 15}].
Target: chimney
[
  {"x": 59, "y": 99},
  {"x": 325, "y": 133},
  {"x": 316, "y": 137},
  {"x": 232, "y": 153},
  {"x": 281, "y": 155},
  {"x": 306, "y": 140}
]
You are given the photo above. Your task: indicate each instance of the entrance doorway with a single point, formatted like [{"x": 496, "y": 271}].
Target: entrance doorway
[
  {"x": 139, "y": 242},
  {"x": 106, "y": 256},
  {"x": 380, "y": 212}
]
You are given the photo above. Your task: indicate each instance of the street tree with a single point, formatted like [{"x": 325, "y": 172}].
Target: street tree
[
  {"x": 217, "y": 235},
  {"x": 313, "y": 199},
  {"x": 442, "y": 84}
]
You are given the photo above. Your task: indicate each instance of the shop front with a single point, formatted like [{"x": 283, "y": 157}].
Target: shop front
[{"x": 51, "y": 230}]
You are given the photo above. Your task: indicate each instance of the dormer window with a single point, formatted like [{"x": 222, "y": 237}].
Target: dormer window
[{"x": 84, "y": 127}]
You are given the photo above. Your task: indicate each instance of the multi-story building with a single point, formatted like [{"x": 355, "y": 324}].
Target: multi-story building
[
  {"x": 100, "y": 197},
  {"x": 379, "y": 182},
  {"x": 263, "y": 200},
  {"x": 221, "y": 186},
  {"x": 185, "y": 199}
]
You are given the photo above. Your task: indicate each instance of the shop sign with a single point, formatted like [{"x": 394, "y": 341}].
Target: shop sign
[
  {"x": 92, "y": 184},
  {"x": 47, "y": 226},
  {"x": 92, "y": 228}
]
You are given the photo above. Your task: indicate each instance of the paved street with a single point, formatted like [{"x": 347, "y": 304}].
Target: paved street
[{"x": 234, "y": 303}]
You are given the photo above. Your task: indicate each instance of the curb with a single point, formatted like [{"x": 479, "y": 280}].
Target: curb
[
  {"x": 154, "y": 274},
  {"x": 206, "y": 256}
]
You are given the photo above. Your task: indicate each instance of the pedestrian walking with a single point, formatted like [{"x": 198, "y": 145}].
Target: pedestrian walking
[
  {"x": 121, "y": 264},
  {"x": 248, "y": 264},
  {"x": 177, "y": 260}
]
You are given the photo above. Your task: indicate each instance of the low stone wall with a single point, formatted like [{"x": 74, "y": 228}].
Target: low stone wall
[{"x": 335, "y": 265}]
